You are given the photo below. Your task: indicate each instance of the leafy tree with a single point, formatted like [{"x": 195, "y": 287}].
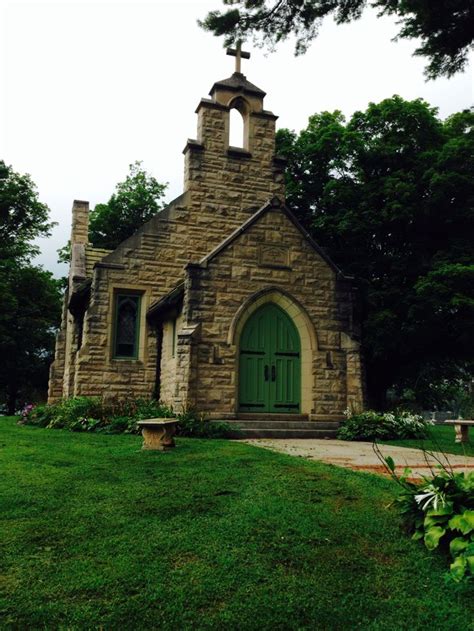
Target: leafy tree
[
  {"x": 390, "y": 194},
  {"x": 22, "y": 216},
  {"x": 30, "y": 296},
  {"x": 28, "y": 322},
  {"x": 64, "y": 253},
  {"x": 446, "y": 29},
  {"x": 135, "y": 201}
]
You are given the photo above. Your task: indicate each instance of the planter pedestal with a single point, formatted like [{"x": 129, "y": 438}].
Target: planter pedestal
[
  {"x": 461, "y": 429},
  {"x": 158, "y": 433}
]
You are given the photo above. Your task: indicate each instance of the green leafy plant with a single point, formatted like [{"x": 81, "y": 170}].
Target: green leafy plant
[
  {"x": 462, "y": 403},
  {"x": 31, "y": 297},
  {"x": 373, "y": 425},
  {"x": 367, "y": 188},
  {"x": 135, "y": 201},
  {"x": 40, "y": 415},
  {"x": 443, "y": 29},
  {"x": 195, "y": 425},
  {"x": 440, "y": 512},
  {"x": 85, "y": 425},
  {"x": 92, "y": 414}
]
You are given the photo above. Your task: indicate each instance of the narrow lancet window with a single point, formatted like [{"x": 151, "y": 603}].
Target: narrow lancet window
[{"x": 127, "y": 312}]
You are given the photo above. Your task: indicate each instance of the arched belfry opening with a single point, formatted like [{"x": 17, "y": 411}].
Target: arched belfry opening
[
  {"x": 234, "y": 126},
  {"x": 239, "y": 106},
  {"x": 239, "y": 123}
]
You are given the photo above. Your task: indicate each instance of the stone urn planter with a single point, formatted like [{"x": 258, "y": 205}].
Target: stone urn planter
[
  {"x": 461, "y": 429},
  {"x": 158, "y": 433}
]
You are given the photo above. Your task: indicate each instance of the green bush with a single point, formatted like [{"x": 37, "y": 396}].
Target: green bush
[
  {"x": 195, "y": 426},
  {"x": 91, "y": 414},
  {"x": 86, "y": 414},
  {"x": 40, "y": 415},
  {"x": 372, "y": 425},
  {"x": 440, "y": 511}
]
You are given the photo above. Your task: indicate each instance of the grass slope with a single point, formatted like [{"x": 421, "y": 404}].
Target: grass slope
[
  {"x": 441, "y": 438},
  {"x": 215, "y": 534}
]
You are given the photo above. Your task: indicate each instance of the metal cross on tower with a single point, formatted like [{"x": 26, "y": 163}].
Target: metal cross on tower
[{"x": 239, "y": 54}]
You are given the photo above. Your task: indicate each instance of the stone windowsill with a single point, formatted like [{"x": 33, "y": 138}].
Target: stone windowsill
[
  {"x": 238, "y": 152},
  {"x": 132, "y": 363}
]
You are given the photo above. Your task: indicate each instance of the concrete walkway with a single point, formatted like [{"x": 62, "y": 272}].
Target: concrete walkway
[{"x": 360, "y": 456}]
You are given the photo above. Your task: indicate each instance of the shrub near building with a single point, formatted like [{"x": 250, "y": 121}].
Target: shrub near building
[
  {"x": 372, "y": 425},
  {"x": 92, "y": 414}
]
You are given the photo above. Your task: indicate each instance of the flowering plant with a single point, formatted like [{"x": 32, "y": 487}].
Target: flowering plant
[
  {"x": 25, "y": 413},
  {"x": 440, "y": 511},
  {"x": 371, "y": 425}
]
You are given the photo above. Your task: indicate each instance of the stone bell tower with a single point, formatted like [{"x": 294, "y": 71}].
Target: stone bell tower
[{"x": 227, "y": 181}]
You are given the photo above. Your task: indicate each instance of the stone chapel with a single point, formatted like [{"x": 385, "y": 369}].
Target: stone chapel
[{"x": 221, "y": 303}]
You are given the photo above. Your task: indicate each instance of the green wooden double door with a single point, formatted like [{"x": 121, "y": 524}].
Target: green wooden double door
[{"x": 270, "y": 363}]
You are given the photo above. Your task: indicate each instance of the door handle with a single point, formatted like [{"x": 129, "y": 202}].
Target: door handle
[
  {"x": 273, "y": 373},
  {"x": 265, "y": 373}
]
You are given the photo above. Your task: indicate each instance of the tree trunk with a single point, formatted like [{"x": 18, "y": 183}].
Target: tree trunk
[
  {"x": 12, "y": 383},
  {"x": 378, "y": 399},
  {"x": 12, "y": 395},
  {"x": 377, "y": 387}
]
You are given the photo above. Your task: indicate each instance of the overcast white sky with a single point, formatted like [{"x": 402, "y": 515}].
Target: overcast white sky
[{"x": 88, "y": 87}]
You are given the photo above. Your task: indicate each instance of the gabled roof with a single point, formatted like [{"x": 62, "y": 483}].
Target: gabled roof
[
  {"x": 272, "y": 204},
  {"x": 170, "y": 300},
  {"x": 150, "y": 227},
  {"x": 93, "y": 256},
  {"x": 237, "y": 82}
]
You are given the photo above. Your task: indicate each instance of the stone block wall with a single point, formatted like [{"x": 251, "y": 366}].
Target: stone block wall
[
  {"x": 97, "y": 372},
  {"x": 216, "y": 292},
  {"x": 93, "y": 256},
  {"x": 169, "y": 352},
  {"x": 80, "y": 222},
  {"x": 224, "y": 186},
  {"x": 56, "y": 370},
  {"x": 222, "y": 189},
  {"x": 228, "y": 185}
]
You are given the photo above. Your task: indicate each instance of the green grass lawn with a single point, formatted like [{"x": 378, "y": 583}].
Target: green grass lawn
[
  {"x": 212, "y": 535},
  {"x": 441, "y": 438}
]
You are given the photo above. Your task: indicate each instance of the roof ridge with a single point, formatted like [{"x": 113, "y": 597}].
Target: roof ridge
[
  {"x": 238, "y": 81},
  {"x": 275, "y": 203},
  {"x": 143, "y": 228}
]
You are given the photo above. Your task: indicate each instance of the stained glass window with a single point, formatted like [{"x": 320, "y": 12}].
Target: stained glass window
[{"x": 127, "y": 311}]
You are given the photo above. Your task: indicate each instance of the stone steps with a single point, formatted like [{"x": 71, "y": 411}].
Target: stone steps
[
  {"x": 249, "y": 416},
  {"x": 284, "y": 433},
  {"x": 271, "y": 424},
  {"x": 285, "y": 427}
]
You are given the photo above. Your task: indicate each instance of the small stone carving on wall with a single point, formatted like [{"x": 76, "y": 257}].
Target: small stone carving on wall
[{"x": 276, "y": 256}]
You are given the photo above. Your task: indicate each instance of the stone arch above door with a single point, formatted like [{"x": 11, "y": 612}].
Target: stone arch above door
[{"x": 303, "y": 324}]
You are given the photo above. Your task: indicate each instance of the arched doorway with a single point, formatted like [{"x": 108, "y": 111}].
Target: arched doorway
[{"x": 270, "y": 363}]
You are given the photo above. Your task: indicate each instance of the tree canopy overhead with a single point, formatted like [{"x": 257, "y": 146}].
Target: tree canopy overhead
[
  {"x": 136, "y": 200},
  {"x": 390, "y": 194},
  {"x": 446, "y": 29}
]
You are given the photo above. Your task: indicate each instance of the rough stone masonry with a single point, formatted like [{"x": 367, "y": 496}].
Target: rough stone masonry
[{"x": 163, "y": 315}]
